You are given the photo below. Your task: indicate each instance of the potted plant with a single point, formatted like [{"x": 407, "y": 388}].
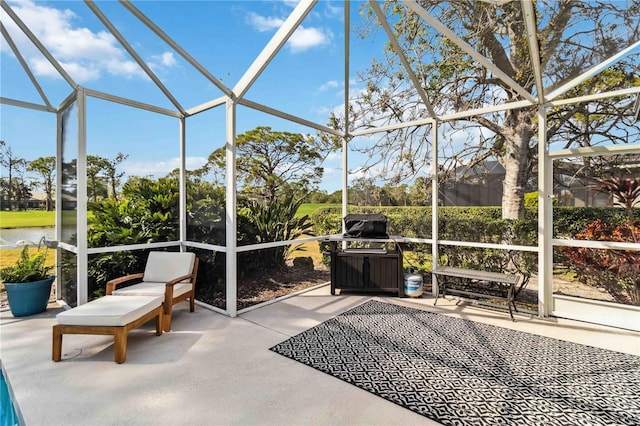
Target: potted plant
[{"x": 28, "y": 283}]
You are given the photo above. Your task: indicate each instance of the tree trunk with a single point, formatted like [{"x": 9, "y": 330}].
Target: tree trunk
[{"x": 515, "y": 161}]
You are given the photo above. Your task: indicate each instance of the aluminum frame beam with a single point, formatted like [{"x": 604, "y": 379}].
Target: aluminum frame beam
[
  {"x": 24, "y": 65},
  {"x": 141, "y": 63},
  {"x": 153, "y": 27},
  {"x": 592, "y": 72},
  {"x": 466, "y": 47},
  {"x": 131, "y": 103},
  {"x": 27, "y": 105},
  {"x": 38, "y": 45},
  {"x": 286, "y": 116},
  {"x": 273, "y": 47},
  {"x": 534, "y": 48},
  {"x": 405, "y": 63}
]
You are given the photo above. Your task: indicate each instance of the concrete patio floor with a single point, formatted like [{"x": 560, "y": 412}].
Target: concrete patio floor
[{"x": 216, "y": 370}]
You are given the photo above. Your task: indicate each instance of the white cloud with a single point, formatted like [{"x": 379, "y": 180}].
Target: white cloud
[
  {"x": 332, "y": 11},
  {"x": 331, "y": 84},
  {"x": 302, "y": 39},
  {"x": 335, "y": 157},
  {"x": 306, "y": 38},
  {"x": 162, "y": 61},
  {"x": 160, "y": 168},
  {"x": 262, "y": 23},
  {"x": 84, "y": 54},
  {"x": 291, "y": 3},
  {"x": 168, "y": 59}
]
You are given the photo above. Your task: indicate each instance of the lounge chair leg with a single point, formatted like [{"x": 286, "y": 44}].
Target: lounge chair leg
[
  {"x": 159, "y": 324},
  {"x": 166, "y": 322},
  {"x": 120, "y": 344},
  {"x": 192, "y": 303},
  {"x": 56, "y": 354}
]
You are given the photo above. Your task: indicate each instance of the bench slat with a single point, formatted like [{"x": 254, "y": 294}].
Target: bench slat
[
  {"x": 477, "y": 275},
  {"x": 506, "y": 281}
]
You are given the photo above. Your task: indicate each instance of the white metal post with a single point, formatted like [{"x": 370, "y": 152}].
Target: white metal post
[
  {"x": 81, "y": 227},
  {"x": 58, "y": 207},
  {"x": 346, "y": 136},
  {"x": 434, "y": 208},
  {"x": 182, "y": 184},
  {"x": 545, "y": 218},
  {"x": 231, "y": 211}
]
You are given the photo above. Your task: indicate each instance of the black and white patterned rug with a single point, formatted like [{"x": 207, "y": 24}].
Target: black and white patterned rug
[{"x": 460, "y": 372}]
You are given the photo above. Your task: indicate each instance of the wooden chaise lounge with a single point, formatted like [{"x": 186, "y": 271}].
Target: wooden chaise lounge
[{"x": 109, "y": 315}]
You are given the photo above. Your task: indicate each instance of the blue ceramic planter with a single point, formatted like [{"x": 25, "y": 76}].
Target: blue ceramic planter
[{"x": 28, "y": 298}]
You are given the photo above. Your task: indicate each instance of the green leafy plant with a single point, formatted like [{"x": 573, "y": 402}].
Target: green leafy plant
[
  {"x": 264, "y": 222},
  {"x": 28, "y": 268}
]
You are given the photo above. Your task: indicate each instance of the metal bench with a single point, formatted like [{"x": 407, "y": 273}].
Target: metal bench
[{"x": 506, "y": 284}]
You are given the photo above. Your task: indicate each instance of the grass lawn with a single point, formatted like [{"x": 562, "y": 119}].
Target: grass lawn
[
  {"x": 32, "y": 218},
  {"x": 9, "y": 257}
]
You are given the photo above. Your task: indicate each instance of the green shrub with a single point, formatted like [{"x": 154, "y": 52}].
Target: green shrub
[
  {"x": 618, "y": 271},
  {"x": 265, "y": 222},
  {"x": 531, "y": 201},
  {"x": 478, "y": 224}
]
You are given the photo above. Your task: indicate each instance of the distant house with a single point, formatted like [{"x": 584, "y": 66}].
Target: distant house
[
  {"x": 480, "y": 185},
  {"x": 572, "y": 187},
  {"x": 37, "y": 201}
]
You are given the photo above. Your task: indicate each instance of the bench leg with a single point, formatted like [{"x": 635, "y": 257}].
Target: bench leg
[
  {"x": 56, "y": 352},
  {"x": 120, "y": 344},
  {"x": 444, "y": 290},
  {"x": 511, "y": 302}
]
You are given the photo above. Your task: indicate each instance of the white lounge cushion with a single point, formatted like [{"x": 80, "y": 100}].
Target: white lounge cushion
[
  {"x": 110, "y": 311},
  {"x": 163, "y": 266},
  {"x": 151, "y": 289}
]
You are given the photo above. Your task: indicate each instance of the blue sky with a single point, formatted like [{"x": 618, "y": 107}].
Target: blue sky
[{"x": 305, "y": 78}]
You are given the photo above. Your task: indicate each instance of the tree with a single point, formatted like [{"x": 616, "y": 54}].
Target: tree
[
  {"x": 420, "y": 192},
  {"x": 397, "y": 195},
  {"x": 96, "y": 169},
  {"x": 572, "y": 36},
  {"x": 270, "y": 161},
  {"x": 103, "y": 177},
  {"x": 112, "y": 173},
  {"x": 361, "y": 192},
  {"x": 45, "y": 167},
  {"x": 21, "y": 190},
  {"x": 14, "y": 165}
]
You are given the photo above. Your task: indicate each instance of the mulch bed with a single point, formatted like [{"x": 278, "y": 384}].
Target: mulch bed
[{"x": 270, "y": 285}]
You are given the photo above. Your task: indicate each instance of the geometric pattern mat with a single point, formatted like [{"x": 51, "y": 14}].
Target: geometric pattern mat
[{"x": 460, "y": 372}]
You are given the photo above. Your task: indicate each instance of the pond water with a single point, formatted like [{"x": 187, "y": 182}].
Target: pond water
[{"x": 9, "y": 237}]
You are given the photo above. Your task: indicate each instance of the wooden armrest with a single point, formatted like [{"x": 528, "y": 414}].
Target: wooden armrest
[
  {"x": 178, "y": 280},
  {"x": 111, "y": 285}
]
